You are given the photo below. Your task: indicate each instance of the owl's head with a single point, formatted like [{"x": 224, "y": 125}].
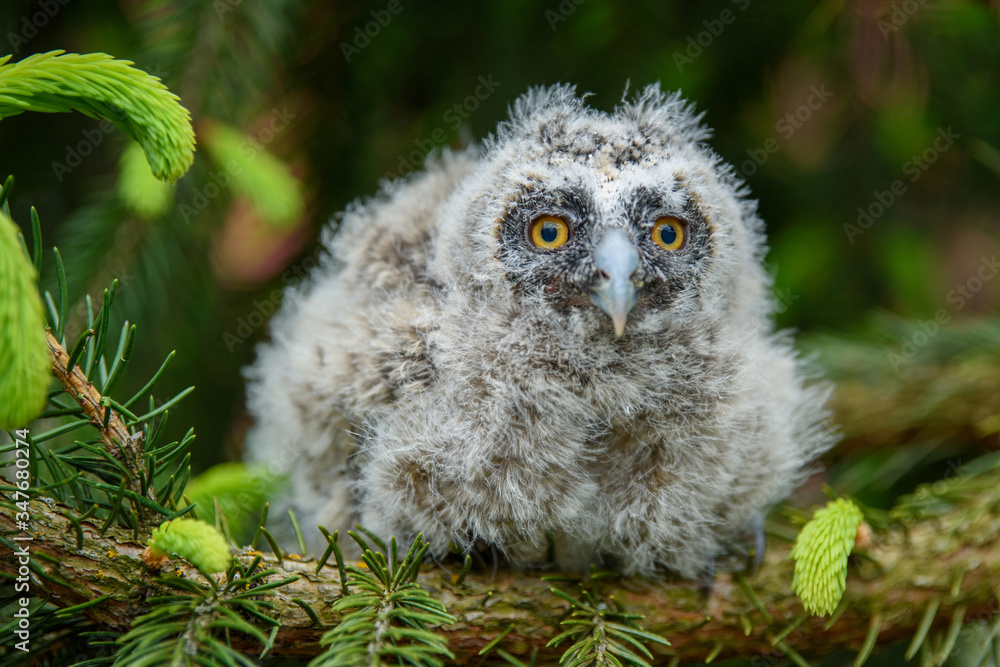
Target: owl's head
[{"x": 621, "y": 220}]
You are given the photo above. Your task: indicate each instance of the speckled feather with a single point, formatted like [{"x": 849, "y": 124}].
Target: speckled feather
[{"x": 438, "y": 373}]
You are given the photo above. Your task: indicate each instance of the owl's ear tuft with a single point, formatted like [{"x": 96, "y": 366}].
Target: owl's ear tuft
[
  {"x": 543, "y": 110},
  {"x": 560, "y": 99},
  {"x": 665, "y": 112}
]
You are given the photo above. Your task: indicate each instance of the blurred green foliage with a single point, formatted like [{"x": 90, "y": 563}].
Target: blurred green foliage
[{"x": 868, "y": 131}]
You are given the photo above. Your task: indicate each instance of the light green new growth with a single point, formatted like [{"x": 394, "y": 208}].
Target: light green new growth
[
  {"x": 240, "y": 490},
  {"x": 257, "y": 175},
  {"x": 145, "y": 195},
  {"x": 820, "y": 555},
  {"x": 196, "y": 541},
  {"x": 24, "y": 355},
  {"x": 99, "y": 86}
]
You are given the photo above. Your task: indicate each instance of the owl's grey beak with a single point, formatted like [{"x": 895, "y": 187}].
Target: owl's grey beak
[{"x": 614, "y": 292}]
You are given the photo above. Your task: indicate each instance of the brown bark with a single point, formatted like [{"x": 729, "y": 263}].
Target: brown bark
[
  {"x": 954, "y": 559},
  {"x": 118, "y": 441}
]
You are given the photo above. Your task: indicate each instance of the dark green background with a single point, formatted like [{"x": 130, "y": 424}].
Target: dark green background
[{"x": 899, "y": 74}]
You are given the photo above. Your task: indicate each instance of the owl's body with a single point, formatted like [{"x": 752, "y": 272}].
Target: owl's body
[{"x": 503, "y": 349}]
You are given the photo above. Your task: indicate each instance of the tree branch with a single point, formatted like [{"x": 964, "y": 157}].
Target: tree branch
[
  {"x": 126, "y": 447},
  {"x": 953, "y": 559}
]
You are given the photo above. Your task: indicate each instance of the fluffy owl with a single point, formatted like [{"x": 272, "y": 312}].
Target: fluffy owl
[{"x": 558, "y": 343}]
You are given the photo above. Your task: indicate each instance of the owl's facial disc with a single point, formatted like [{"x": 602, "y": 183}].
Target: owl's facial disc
[{"x": 614, "y": 292}]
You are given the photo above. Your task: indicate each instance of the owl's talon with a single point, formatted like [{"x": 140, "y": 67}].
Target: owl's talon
[
  {"x": 706, "y": 581},
  {"x": 492, "y": 565},
  {"x": 755, "y": 556},
  {"x": 477, "y": 554},
  {"x": 753, "y": 535},
  {"x": 496, "y": 562}
]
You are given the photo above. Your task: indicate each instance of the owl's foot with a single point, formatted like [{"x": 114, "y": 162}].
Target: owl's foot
[
  {"x": 487, "y": 556},
  {"x": 752, "y": 538},
  {"x": 753, "y": 533},
  {"x": 706, "y": 581}
]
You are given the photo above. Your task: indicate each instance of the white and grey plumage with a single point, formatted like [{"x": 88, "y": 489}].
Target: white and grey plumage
[{"x": 441, "y": 372}]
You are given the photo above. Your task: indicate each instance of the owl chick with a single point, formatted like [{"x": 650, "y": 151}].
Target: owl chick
[{"x": 560, "y": 341}]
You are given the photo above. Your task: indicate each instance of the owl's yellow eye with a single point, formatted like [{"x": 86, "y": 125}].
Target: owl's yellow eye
[
  {"x": 669, "y": 233},
  {"x": 549, "y": 232}
]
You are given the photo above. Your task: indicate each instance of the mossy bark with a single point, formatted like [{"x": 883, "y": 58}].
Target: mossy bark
[{"x": 953, "y": 559}]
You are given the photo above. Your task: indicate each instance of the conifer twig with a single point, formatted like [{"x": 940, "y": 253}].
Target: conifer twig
[{"x": 126, "y": 447}]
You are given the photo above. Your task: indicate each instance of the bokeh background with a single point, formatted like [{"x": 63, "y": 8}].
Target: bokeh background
[{"x": 868, "y": 130}]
